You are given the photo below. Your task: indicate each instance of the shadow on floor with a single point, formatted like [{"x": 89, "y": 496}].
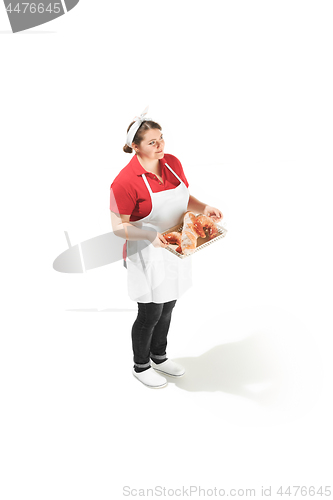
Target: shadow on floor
[
  {"x": 94, "y": 309},
  {"x": 249, "y": 368}
]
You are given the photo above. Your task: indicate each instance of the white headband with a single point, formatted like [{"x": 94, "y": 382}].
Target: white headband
[{"x": 134, "y": 128}]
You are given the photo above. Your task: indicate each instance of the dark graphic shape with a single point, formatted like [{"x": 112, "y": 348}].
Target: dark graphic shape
[
  {"x": 70, "y": 4},
  {"x": 25, "y": 15}
]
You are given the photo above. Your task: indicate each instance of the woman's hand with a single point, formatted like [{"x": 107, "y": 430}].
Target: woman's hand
[
  {"x": 213, "y": 213},
  {"x": 159, "y": 241}
]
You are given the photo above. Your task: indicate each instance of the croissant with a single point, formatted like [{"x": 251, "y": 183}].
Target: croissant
[
  {"x": 174, "y": 237},
  {"x": 203, "y": 221},
  {"x": 193, "y": 228}
]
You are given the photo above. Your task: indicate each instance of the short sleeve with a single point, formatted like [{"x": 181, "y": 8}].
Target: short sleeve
[{"x": 121, "y": 200}]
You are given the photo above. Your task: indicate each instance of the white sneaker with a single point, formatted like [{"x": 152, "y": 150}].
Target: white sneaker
[
  {"x": 169, "y": 368},
  {"x": 150, "y": 378}
]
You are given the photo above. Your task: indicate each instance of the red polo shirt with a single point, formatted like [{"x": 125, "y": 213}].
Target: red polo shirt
[{"x": 129, "y": 194}]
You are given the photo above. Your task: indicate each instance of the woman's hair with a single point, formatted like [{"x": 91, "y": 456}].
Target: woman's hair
[{"x": 146, "y": 125}]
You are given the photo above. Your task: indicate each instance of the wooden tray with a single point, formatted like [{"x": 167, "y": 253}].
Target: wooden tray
[{"x": 201, "y": 242}]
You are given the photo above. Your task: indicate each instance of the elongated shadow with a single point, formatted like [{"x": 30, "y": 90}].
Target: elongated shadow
[
  {"x": 35, "y": 32},
  {"x": 90, "y": 254},
  {"x": 101, "y": 310},
  {"x": 27, "y": 32},
  {"x": 249, "y": 368}
]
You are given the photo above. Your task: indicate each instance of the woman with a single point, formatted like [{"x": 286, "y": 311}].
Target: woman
[{"x": 149, "y": 196}]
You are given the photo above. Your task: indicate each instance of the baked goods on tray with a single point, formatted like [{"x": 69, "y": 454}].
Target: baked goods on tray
[{"x": 194, "y": 228}]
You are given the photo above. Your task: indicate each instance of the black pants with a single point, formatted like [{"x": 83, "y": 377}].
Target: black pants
[{"x": 149, "y": 333}]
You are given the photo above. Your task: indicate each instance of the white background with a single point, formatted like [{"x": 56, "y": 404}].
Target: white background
[{"x": 243, "y": 90}]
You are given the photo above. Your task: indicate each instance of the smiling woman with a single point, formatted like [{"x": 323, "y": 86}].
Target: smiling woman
[
  {"x": 139, "y": 136},
  {"x": 148, "y": 143},
  {"x": 149, "y": 196}
]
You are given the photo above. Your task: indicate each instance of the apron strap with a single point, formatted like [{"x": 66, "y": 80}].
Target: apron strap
[
  {"x": 174, "y": 173},
  {"x": 147, "y": 184}
]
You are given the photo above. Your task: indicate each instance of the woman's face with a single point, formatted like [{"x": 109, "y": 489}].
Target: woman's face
[{"x": 152, "y": 145}]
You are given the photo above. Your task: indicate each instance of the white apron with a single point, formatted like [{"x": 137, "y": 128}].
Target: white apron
[{"x": 155, "y": 274}]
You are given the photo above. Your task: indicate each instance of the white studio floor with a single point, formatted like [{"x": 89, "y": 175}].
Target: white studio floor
[
  {"x": 253, "y": 410},
  {"x": 244, "y": 94}
]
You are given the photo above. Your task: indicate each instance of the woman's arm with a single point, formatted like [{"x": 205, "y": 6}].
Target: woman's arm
[
  {"x": 198, "y": 207},
  {"x": 124, "y": 229}
]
